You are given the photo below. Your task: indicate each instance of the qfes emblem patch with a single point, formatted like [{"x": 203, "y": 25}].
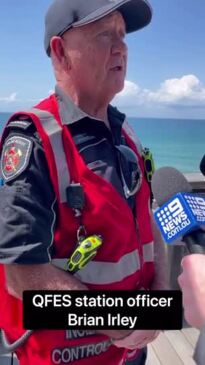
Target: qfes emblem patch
[{"x": 15, "y": 156}]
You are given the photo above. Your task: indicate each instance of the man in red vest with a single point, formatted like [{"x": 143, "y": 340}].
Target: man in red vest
[{"x": 72, "y": 168}]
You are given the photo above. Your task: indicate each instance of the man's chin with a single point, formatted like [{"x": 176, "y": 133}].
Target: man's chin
[
  {"x": 119, "y": 87},
  {"x": 114, "y": 90}
]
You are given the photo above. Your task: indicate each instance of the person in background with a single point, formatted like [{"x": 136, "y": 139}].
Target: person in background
[
  {"x": 192, "y": 283},
  {"x": 72, "y": 168}
]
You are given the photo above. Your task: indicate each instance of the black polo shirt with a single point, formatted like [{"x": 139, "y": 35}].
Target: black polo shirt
[{"x": 27, "y": 198}]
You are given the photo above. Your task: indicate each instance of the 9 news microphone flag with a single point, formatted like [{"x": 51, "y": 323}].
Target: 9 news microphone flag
[{"x": 181, "y": 213}]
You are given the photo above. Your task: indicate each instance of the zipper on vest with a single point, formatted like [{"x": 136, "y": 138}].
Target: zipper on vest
[{"x": 140, "y": 249}]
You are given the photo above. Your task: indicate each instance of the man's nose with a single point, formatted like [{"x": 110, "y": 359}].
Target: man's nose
[{"x": 119, "y": 46}]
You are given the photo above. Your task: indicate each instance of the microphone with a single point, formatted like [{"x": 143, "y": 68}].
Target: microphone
[
  {"x": 202, "y": 166},
  {"x": 181, "y": 212}
]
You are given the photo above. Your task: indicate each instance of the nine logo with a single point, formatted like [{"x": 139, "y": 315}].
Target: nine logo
[{"x": 173, "y": 219}]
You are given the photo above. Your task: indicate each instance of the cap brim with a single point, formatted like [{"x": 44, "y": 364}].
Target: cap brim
[{"x": 136, "y": 13}]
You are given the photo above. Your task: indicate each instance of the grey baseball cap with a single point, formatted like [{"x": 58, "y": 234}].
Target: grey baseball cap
[{"x": 65, "y": 14}]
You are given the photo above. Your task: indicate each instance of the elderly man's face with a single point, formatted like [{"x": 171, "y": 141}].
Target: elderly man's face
[{"x": 98, "y": 56}]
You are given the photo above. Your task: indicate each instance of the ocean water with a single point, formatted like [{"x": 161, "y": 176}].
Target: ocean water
[{"x": 178, "y": 143}]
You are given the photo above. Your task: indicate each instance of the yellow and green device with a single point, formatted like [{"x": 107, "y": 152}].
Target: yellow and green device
[
  {"x": 148, "y": 164},
  {"x": 84, "y": 252}
]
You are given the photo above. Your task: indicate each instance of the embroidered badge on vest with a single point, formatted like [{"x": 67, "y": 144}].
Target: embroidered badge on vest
[
  {"x": 24, "y": 124},
  {"x": 15, "y": 156}
]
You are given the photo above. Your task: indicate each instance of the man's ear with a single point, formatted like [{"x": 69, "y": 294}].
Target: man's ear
[{"x": 58, "y": 52}]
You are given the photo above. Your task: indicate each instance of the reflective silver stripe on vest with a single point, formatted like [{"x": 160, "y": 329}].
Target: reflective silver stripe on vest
[
  {"x": 54, "y": 131},
  {"x": 148, "y": 252},
  {"x": 99, "y": 272}
]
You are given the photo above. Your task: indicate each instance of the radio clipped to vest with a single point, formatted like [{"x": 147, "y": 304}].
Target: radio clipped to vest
[
  {"x": 148, "y": 164},
  {"x": 149, "y": 169},
  {"x": 87, "y": 246}
]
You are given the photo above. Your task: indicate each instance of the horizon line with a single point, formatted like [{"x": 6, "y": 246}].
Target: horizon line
[{"x": 129, "y": 116}]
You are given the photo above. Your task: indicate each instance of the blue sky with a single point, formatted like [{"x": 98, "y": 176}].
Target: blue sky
[{"x": 166, "y": 66}]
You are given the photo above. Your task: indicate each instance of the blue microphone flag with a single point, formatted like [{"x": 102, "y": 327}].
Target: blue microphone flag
[{"x": 180, "y": 215}]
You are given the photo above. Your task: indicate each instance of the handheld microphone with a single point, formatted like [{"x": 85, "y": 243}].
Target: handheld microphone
[
  {"x": 202, "y": 166},
  {"x": 181, "y": 213}
]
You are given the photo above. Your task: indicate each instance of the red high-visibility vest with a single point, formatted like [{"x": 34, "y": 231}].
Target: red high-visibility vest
[{"x": 125, "y": 259}]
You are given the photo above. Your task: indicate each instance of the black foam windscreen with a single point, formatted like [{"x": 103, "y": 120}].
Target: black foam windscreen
[
  {"x": 168, "y": 181},
  {"x": 202, "y": 165}
]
